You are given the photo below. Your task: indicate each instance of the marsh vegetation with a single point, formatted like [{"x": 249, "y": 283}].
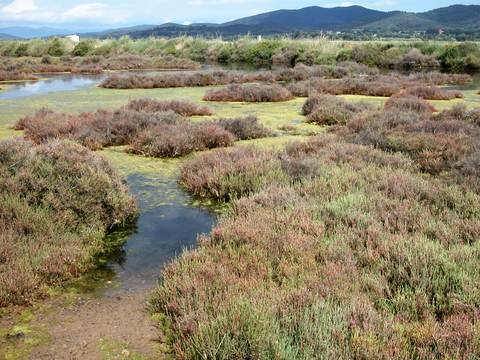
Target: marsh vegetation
[{"x": 349, "y": 221}]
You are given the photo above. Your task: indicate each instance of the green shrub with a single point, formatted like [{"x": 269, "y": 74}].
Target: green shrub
[
  {"x": 83, "y": 48},
  {"x": 56, "y": 48}
]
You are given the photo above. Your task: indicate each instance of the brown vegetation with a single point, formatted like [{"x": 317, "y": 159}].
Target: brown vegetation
[
  {"x": 340, "y": 250},
  {"x": 434, "y": 93},
  {"x": 379, "y": 85},
  {"x": 244, "y": 128},
  {"x": 15, "y": 76},
  {"x": 249, "y": 93},
  {"x": 323, "y": 109},
  {"x": 181, "y": 107},
  {"x": 57, "y": 202},
  {"x": 179, "y": 139},
  {"x": 184, "y": 79},
  {"x": 149, "y": 127}
]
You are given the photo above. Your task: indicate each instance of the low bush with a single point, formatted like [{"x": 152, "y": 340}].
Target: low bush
[
  {"x": 92, "y": 129},
  {"x": 336, "y": 248},
  {"x": 416, "y": 60},
  {"x": 249, "y": 93},
  {"x": 57, "y": 202},
  {"x": 184, "y": 79},
  {"x": 211, "y": 174},
  {"x": 406, "y": 125},
  {"x": 460, "y": 112},
  {"x": 325, "y": 109},
  {"x": 376, "y": 85},
  {"x": 174, "y": 140},
  {"x": 181, "y": 107},
  {"x": 16, "y": 76},
  {"x": 149, "y": 127},
  {"x": 409, "y": 103},
  {"x": 434, "y": 93},
  {"x": 244, "y": 128},
  {"x": 370, "y": 86}
]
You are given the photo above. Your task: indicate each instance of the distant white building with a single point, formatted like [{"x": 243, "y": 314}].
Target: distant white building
[{"x": 74, "y": 38}]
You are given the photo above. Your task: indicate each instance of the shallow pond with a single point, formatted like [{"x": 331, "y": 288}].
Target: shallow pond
[{"x": 55, "y": 83}]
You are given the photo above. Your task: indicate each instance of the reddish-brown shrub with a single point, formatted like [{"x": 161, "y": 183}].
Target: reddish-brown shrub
[
  {"x": 325, "y": 109},
  {"x": 461, "y": 113},
  {"x": 249, "y": 93},
  {"x": 182, "y": 107},
  {"x": 435, "y": 145},
  {"x": 433, "y": 93},
  {"x": 57, "y": 202},
  {"x": 94, "y": 130},
  {"x": 407, "y": 102},
  {"x": 180, "y": 139},
  {"x": 16, "y": 76},
  {"x": 185, "y": 79},
  {"x": 337, "y": 239},
  {"x": 244, "y": 128}
]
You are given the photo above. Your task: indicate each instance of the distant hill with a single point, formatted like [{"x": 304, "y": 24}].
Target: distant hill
[
  {"x": 31, "y": 32},
  {"x": 316, "y": 19},
  {"x": 455, "y": 16},
  {"x": 120, "y": 31},
  {"x": 313, "y": 17},
  {"x": 8, "y": 37}
]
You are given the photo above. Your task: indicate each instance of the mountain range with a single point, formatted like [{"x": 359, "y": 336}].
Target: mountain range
[
  {"x": 454, "y": 18},
  {"x": 316, "y": 19}
]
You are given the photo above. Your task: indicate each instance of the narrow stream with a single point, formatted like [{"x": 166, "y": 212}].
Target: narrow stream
[{"x": 168, "y": 221}]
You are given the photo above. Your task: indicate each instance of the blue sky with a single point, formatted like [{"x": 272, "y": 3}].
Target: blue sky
[{"x": 97, "y": 14}]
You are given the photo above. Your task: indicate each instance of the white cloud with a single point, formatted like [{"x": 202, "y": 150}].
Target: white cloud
[
  {"x": 28, "y": 10},
  {"x": 217, "y": 2},
  {"x": 93, "y": 11},
  {"x": 20, "y": 6}
]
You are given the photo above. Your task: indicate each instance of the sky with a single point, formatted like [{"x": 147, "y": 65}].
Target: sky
[{"x": 102, "y": 14}]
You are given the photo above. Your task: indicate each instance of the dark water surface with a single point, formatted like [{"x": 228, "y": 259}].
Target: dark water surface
[{"x": 168, "y": 224}]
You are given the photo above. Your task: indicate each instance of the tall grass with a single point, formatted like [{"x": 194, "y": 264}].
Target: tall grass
[{"x": 404, "y": 55}]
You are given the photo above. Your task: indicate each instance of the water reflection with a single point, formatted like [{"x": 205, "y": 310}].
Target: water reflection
[
  {"x": 161, "y": 233},
  {"x": 57, "y": 83}
]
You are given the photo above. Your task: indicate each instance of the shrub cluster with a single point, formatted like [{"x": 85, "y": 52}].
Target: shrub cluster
[
  {"x": 179, "y": 139},
  {"x": 188, "y": 51},
  {"x": 184, "y": 79},
  {"x": 404, "y": 102},
  {"x": 434, "y": 93},
  {"x": 181, "y": 107},
  {"x": 377, "y": 85},
  {"x": 57, "y": 202},
  {"x": 339, "y": 249},
  {"x": 92, "y": 64},
  {"x": 323, "y": 109},
  {"x": 438, "y": 143},
  {"x": 249, "y": 93},
  {"x": 16, "y": 76},
  {"x": 244, "y": 128},
  {"x": 147, "y": 126}
]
